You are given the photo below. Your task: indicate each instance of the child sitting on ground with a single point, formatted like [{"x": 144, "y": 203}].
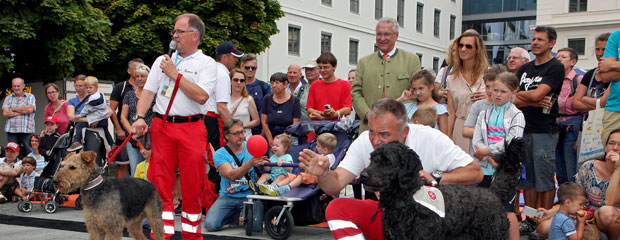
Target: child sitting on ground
[
  {"x": 571, "y": 197},
  {"x": 280, "y": 148},
  {"x": 26, "y": 180},
  {"x": 426, "y": 116},
  {"x": 423, "y": 90},
  {"x": 94, "y": 113},
  {"x": 325, "y": 145}
]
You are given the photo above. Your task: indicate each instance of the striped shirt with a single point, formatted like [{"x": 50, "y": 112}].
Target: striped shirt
[{"x": 23, "y": 123}]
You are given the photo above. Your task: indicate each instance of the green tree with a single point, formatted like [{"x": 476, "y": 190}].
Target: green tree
[
  {"x": 143, "y": 27},
  {"x": 52, "y": 39}
]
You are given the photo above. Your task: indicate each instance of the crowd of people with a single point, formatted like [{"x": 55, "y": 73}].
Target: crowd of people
[{"x": 191, "y": 114}]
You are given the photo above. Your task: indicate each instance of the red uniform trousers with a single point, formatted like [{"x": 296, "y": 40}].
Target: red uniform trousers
[
  {"x": 209, "y": 194},
  {"x": 351, "y": 218},
  {"x": 182, "y": 146}
]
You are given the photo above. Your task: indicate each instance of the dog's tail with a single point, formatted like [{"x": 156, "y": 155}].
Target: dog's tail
[{"x": 508, "y": 171}]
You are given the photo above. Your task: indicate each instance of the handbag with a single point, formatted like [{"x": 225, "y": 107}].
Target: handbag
[{"x": 591, "y": 146}]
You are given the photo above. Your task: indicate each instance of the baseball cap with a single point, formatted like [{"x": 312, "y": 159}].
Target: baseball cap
[
  {"x": 228, "y": 47},
  {"x": 13, "y": 146},
  {"x": 311, "y": 64},
  {"x": 51, "y": 119}
]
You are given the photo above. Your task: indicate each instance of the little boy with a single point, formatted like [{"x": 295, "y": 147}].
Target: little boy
[
  {"x": 571, "y": 197},
  {"x": 426, "y": 116},
  {"x": 50, "y": 136},
  {"x": 95, "y": 113},
  {"x": 27, "y": 177},
  {"x": 325, "y": 145}
]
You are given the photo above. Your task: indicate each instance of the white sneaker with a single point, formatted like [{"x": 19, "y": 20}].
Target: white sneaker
[
  {"x": 268, "y": 189},
  {"x": 2, "y": 198}
]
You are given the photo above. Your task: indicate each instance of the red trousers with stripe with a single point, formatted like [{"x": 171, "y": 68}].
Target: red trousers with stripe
[
  {"x": 182, "y": 146},
  {"x": 351, "y": 218}
]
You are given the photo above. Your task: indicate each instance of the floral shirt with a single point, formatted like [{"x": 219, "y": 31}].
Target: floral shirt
[{"x": 594, "y": 185}]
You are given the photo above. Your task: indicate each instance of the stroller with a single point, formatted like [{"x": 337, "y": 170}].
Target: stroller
[{"x": 280, "y": 216}]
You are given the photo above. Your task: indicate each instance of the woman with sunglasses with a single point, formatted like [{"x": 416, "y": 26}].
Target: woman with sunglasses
[
  {"x": 279, "y": 109},
  {"x": 464, "y": 83},
  {"x": 241, "y": 106},
  {"x": 56, "y": 107}
]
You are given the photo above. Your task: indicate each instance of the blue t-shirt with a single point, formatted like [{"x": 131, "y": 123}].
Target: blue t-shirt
[
  {"x": 613, "y": 50},
  {"x": 562, "y": 226},
  {"x": 238, "y": 188},
  {"x": 413, "y": 107},
  {"x": 40, "y": 161},
  {"x": 74, "y": 102},
  {"x": 280, "y": 170}
]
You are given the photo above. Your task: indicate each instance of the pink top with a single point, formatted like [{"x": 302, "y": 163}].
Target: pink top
[
  {"x": 61, "y": 116},
  {"x": 566, "y": 96}
]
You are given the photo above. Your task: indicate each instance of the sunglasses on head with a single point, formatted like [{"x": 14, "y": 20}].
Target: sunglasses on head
[
  {"x": 239, "y": 80},
  {"x": 468, "y": 46},
  {"x": 251, "y": 67}
]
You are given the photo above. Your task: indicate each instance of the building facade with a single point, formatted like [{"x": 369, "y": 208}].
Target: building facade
[
  {"x": 578, "y": 22},
  {"x": 347, "y": 29}
]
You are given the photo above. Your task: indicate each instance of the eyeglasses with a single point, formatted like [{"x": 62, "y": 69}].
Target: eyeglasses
[
  {"x": 250, "y": 67},
  {"x": 384, "y": 34},
  {"x": 237, "y": 133},
  {"x": 468, "y": 46},
  {"x": 515, "y": 58},
  {"x": 180, "y": 31},
  {"x": 239, "y": 80},
  {"x": 51, "y": 92},
  {"x": 613, "y": 144}
]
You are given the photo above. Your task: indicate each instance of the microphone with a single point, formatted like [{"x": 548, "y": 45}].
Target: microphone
[{"x": 172, "y": 46}]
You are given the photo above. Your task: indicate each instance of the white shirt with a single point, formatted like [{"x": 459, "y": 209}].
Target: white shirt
[
  {"x": 222, "y": 89},
  {"x": 196, "y": 68},
  {"x": 437, "y": 152}
]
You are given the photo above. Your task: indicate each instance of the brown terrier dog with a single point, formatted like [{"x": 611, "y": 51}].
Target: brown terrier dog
[{"x": 110, "y": 204}]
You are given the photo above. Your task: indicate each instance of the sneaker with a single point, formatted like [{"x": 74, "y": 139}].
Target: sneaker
[
  {"x": 2, "y": 198},
  {"x": 268, "y": 189},
  {"x": 282, "y": 190},
  {"x": 526, "y": 227},
  {"x": 74, "y": 147}
]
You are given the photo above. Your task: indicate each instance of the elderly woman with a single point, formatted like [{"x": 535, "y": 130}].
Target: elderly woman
[
  {"x": 241, "y": 106},
  {"x": 130, "y": 103},
  {"x": 56, "y": 107},
  {"x": 279, "y": 109},
  {"x": 464, "y": 83}
]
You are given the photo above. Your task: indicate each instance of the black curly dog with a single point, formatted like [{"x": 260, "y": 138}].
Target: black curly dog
[{"x": 470, "y": 212}]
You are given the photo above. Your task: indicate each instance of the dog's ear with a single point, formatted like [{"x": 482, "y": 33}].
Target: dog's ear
[{"x": 88, "y": 156}]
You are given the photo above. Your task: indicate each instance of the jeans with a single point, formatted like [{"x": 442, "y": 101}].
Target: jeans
[
  {"x": 565, "y": 155},
  {"x": 23, "y": 140},
  {"x": 77, "y": 133},
  {"x": 134, "y": 157},
  {"x": 226, "y": 210}
]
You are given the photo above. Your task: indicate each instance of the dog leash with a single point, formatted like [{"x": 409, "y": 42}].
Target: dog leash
[{"x": 119, "y": 148}]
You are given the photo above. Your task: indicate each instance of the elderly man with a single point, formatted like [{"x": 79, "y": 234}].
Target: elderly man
[
  {"x": 516, "y": 58},
  {"x": 19, "y": 109},
  {"x": 441, "y": 159},
  {"x": 312, "y": 74},
  {"x": 384, "y": 74},
  {"x": 10, "y": 169},
  {"x": 178, "y": 133},
  {"x": 294, "y": 78}
]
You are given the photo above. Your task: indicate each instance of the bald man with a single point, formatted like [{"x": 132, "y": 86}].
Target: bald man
[
  {"x": 294, "y": 78},
  {"x": 517, "y": 57}
]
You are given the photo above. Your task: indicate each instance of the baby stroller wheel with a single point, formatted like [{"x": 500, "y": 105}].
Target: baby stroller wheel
[
  {"x": 51, "y": 206},
  {"x": 248, "y": 218},
  {"x": 19, "y": 205},
  {"x": 281, "y": 229},
  {"x": 78, "y": 203},
  {"x": 24, "y": 206}
]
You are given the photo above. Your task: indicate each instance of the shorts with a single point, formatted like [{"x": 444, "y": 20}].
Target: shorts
[
  {"x": 611, "y": 121},
  {"x": 540, "y": 162}
]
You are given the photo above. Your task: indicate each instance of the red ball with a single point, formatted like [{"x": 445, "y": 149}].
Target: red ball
[{"x": 257, "y": 145}]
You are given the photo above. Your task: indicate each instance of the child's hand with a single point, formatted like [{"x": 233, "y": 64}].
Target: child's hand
[
  {"x": 547, "y": 214},
  {"x": 93, "y": 125},
  {"x": 280, "y": 163},
  {"x": 581, "y": 216},
  {"x": 481, "y": 152},
  {"x": 492, "y": 161},
  {"x": 405, "y": 96}
]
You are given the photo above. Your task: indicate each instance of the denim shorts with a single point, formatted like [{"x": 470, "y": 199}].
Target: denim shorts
[{"x": 540, "y": 164}]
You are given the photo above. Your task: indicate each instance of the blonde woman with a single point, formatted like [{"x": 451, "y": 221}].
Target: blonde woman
[{"x": 241, "y": 106}]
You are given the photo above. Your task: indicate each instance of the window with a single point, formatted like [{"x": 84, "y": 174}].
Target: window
[
  {"x": 354, "y": 6},
  {"x": 436, "y": 23},
  {"x": 327, "y": 2},
  {"x": 353, "y": 44},
  {"x": 326, "y": 42},
  {"x": 452, "y": 26},
  {"x": 579, "y": 44},
  {"x": 436, "y": 64},
  {"x": 293, "y": 39},
  {"x": 420, "y": 57},
  {"x": 400, "y": 14},
  {"x": 578, "y": 6},
  {"x": 378, "y": 9},
  {"x": 419, "y": 17}
]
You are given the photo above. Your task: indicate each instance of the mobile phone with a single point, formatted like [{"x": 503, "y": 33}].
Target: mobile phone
[
  {"x": 327, "y": 106},
  {"x": 531, "y": 212}
]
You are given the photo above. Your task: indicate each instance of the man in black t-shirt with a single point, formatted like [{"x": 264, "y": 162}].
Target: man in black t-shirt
[{"x": 539, "y": 80}]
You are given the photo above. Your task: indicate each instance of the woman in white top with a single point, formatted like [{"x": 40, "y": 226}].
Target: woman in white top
[{"x": 241, "y": 106}]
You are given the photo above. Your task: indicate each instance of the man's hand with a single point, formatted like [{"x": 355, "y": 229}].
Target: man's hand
[
  {"x": 426, "y": 176},
  {"x": 259, "y": 161},
  {"x": 313, "y": 163},
  {"x": 139, "y": 127},
  {"x": 168, "y": 67},
  {"x": 329, "y": 113},
  {"x": 120, "y": 134}
]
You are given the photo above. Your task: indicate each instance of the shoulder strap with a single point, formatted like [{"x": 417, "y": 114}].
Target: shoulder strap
[
  {"x": 247, "y": 176},
  {"x": 237, "y": 105},
  {"x": 592, "y": 79},
  {"x": 262, "y": 86},
  {"x": 575, "y": 84},
  {"x": 445, "y": 77},
  {"x": 174, "y": 94},
  {"x": 301, "y": 90},
  {"x": 58, "y": 108},
  {"x": 82, "y": 102},
  {"x": 123, "y": 90}
]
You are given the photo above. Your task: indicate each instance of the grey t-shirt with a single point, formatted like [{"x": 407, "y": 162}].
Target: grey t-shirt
[{"x": 474, "y": 111}]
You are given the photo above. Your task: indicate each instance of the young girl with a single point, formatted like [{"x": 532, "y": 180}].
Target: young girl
[
  {"x": 280, "y": 148},
  {"x": 497, "y": 125},
  {"x": 423, "y": 89},
  {"x": 483, "y": 104}
]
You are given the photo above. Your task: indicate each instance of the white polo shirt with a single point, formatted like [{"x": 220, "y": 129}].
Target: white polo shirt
[
  {"x": 222, "y": 89},
  {"x": 436, "y": 150},
  {"x": 197, "y": 68}
]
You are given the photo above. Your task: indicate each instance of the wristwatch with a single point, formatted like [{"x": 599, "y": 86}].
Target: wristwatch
[
  {"x": 136, "y": 117},
  {"x": 437, "y": 176}
]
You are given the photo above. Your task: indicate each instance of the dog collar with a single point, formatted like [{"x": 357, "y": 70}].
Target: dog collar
[{"x": 93, "y": 183}]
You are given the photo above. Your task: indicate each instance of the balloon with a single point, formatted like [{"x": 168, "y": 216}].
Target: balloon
[{"x": 257, "y": 145}]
